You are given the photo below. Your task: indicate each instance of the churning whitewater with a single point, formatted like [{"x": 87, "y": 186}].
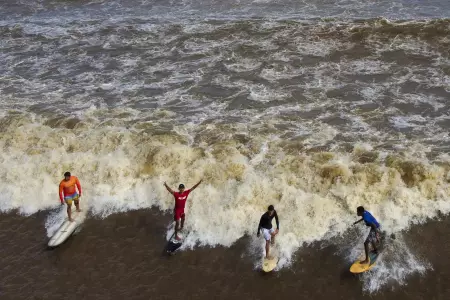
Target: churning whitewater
[{"x": 315, "y": 116}]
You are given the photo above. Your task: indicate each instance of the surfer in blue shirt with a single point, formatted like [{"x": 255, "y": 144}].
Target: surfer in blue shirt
[{"x": 374, "y": 234}]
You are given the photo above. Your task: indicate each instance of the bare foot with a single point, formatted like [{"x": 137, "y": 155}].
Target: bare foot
[
  {"x": 177, "y": 238},
  {"x": 78, "y": 210},
  {"x": 70, "y": 220},
  {"x": 272, "y": 242}
]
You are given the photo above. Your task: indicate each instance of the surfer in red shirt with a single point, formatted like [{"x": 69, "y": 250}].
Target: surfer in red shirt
[{"x": 180, "y": 203}]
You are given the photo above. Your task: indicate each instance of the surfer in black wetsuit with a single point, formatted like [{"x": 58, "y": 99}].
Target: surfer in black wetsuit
[{"x": 266, "y": 225}]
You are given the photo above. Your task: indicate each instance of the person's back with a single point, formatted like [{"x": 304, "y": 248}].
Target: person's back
[{"x": 369, "y": 219}]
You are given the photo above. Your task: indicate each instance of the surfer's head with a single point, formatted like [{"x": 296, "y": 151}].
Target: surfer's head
[
  {"x": 181, "y": 187},
  {"x": 271, "y": 209},
  {"x": 67, "y": 176},
  {"x": 360, "y": 211}
]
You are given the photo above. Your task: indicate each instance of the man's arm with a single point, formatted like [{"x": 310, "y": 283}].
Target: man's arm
[
  {"x": 195, "y": 186},
  {"x": 168, "y": 188},
  {"x": 259, "y": 226},
  {"x": 276, "y": 220},
  {"x": 77, "y": 182},
  {"x": 61, "y": 193},
  {"x": 358, "y": 221}
]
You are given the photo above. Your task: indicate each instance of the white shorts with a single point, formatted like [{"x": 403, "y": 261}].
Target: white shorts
[{"x": 268, "y": 233}]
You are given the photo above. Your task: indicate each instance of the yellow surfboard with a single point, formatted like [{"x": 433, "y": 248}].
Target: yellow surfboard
[
  {"x": 358, "y": 267},
  {"x": 269, "y": 264}
]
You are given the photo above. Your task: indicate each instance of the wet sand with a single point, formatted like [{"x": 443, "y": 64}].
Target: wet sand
[{"x": 121, "y": 257}]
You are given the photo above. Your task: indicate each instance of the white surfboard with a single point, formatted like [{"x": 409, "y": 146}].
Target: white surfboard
[
  {"x": 67, "y": 228},
  {"x": 271, "y": 263}
]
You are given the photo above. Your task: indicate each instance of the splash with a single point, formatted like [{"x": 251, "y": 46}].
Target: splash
[{"x": 315, "y": 193}]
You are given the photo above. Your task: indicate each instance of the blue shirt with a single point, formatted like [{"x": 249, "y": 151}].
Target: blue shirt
[{"x": 369, "y": 219}]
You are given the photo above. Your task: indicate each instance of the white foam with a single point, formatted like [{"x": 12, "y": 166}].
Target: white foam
[
  {"x": 283, "y": 72},
  {"x": 395, "y": 264},
  {"x": 244, "y": 65},
  {"x": 55, "y": 219},
  {"x": 263, "y": 93},
  {"x": 122, "y": 156},
  {"x": 365, "y": 67},
  {"x": 408, "y": 121},
  {"x": 108, "y": 162}
]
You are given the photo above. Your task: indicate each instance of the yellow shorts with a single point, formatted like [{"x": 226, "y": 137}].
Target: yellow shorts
[{"x": 69, "y": 199}]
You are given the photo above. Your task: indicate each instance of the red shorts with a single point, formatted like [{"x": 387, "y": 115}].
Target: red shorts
[{"x": 178, "y": 214}]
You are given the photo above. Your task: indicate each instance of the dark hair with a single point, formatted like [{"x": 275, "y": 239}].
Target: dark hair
[
  {"x": 67, "y": 174},
  {"x": 270, "y": 208},
  {"x": 181, "y": 186},
  {"x": 360, "y": 209}
]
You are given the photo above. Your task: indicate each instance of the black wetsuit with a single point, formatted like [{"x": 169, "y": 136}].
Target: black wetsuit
[{"x": 266, "y": 221}]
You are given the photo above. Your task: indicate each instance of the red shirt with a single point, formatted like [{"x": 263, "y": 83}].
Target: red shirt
[{"x": 180, "y": 199}]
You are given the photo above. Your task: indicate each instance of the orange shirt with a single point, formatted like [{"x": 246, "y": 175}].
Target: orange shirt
[{"x": 67, "y": 188}]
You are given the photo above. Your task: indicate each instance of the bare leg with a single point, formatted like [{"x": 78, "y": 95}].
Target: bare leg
[
  {"x": 267, "y": 249},
  {"x": 69, "y": 212},
  {"x": 366, "y": 248},
  {"x": 177, "y": 224},
  {"x": 273, "y": 236},
  {"x": 77, "y": 205},
  {"x": 375, "y": 250},
  {"x": 182, "y": 223}
]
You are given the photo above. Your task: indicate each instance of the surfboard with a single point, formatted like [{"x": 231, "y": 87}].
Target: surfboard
[
  {"x": 67, "y": 228},
  {"x": 358, "y": 267},
  {"x": 269, "y": 264},
  {"x": 174, "y": 244}
]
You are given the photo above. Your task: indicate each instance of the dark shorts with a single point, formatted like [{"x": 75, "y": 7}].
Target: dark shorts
[
  {"x": 178, "y": 214},
  {"x": 372, "y": 237}
]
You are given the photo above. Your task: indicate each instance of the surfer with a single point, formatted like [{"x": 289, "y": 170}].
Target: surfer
[
  {"x": 180, "y": 203},
  {"x": 374, "y": 234},
  {"x": 68, "y": 193},
  {"x": 266, "y": 225}
]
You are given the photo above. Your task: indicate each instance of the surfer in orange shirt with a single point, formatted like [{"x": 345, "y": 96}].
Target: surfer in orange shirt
[{"x": 68, "y": 192}]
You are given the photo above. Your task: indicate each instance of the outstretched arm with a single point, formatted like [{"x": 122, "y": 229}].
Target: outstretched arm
[
  {"x": 168, "y": 188},
  {"x": 357, "y": 222},
  {"x": 195, "y": 186}
]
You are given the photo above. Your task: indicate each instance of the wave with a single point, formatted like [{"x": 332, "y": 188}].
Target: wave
[
  {"x": 315, "y": 116},
  {"x": 123, "y": 167},
  {"x": 229, "y": 9},
  {"x": 329, "y": 27}
]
